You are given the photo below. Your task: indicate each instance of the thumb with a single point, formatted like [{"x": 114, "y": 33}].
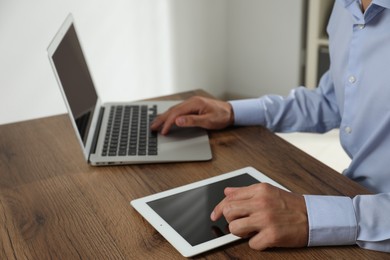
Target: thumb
[
  {"x": 191, "y": 121},
  {"x": 181, "y": 121}
]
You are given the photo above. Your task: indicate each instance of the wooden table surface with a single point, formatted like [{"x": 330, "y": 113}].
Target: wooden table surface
[{"x": 53, "y": 205}]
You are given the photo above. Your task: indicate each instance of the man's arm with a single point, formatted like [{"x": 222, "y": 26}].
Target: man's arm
[
  {"x": 271, "y": 217},
  {"x": 303, "y": 110}
]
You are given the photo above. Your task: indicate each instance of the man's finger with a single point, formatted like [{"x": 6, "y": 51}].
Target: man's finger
[
  {"x": 236, "y": 209},
  {"x": 195, "y": 120},
  {"x": 218, "y": 210},
  {"x": 232, "y": 194},
  {"x": 244, "y": 227}
]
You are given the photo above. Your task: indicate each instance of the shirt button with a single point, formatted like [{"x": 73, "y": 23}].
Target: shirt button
[
  {"x": 352, "y": 79},
  {"x": 360, "y": 26},
  {"x": 348, "y": 130}
]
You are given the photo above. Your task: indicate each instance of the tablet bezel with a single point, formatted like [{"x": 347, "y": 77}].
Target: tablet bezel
[{"x": 170, "y": 234}]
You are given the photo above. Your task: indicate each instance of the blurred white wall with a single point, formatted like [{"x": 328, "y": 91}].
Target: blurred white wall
[
  {"x": 265, "y": 46},
  {"x": 199, "y": 50},
  {"x": 144, "y": 48}
]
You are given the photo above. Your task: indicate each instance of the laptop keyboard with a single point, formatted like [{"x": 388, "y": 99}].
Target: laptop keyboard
[{"x": 128, "y": 131}]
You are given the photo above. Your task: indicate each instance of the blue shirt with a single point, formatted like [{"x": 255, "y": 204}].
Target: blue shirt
[{"x": 354, "y": 95}]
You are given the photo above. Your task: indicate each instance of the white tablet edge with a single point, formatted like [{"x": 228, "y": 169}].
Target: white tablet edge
[{"x": 174, "y": 238}]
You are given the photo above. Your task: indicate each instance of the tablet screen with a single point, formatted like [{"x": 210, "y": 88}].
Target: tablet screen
[{"x": 189, "y": 212}]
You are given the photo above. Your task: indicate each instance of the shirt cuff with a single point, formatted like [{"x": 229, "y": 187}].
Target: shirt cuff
[
  {"x": 248, "y": 112},
  {"x": 332, "y": 220}
]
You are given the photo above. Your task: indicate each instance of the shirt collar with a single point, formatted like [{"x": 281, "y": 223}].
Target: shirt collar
[{"x": 383, "y": 3}]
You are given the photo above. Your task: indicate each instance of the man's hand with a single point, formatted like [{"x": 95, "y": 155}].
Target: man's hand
[
  {"x": 271, "y": 217},
  {"x": 195, "y": 112}
]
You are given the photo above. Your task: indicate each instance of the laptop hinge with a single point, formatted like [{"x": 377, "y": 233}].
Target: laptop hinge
[{"x": 96, "y": 135}]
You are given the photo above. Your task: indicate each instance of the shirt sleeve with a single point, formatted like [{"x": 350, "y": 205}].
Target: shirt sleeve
[
  {"x": 362, "y": 220},
  {"x": 332, "y": 220},
  {"x": 304, "y": 109},
  {"x": 372, "y": 213}
]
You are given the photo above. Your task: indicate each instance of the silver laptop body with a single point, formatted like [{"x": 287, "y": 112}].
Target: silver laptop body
[{"x": 93, "y": 120}]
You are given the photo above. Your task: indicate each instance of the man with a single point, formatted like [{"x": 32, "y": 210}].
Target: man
[{"x": 354, "y": 95}]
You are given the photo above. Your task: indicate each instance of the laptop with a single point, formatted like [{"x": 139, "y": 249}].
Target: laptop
[{"x": 116, "y": 132}]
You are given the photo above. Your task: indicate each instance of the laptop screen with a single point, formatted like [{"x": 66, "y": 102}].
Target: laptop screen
[{"x": 76, "y": 81}]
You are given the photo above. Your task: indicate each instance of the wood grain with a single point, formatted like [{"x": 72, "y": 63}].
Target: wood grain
[{"x": 53, "y": 205}]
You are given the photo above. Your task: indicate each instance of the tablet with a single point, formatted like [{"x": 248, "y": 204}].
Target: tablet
[{"x": 182, "y": 215}]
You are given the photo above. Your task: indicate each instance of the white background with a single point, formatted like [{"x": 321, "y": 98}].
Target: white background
[{"x": 144, "y": 48}]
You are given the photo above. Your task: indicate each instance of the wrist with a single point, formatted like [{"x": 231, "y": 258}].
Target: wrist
[{"x": 231, "y": 114}]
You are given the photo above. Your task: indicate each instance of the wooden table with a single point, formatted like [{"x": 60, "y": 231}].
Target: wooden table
[{"x": 53, "y": 205}]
